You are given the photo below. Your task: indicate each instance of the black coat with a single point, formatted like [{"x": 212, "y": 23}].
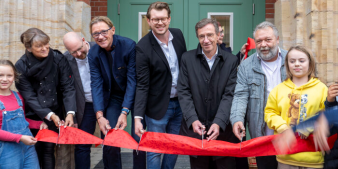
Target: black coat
[
  {"x": 206, "y": 95},
  {"x": 153, "y": 74},
  {"x": 80, "y": 95},
  {"x": 53, "y": 93}
]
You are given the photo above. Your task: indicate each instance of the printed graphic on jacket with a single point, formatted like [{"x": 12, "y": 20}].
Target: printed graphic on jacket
[{"x": 297, "y": 101}]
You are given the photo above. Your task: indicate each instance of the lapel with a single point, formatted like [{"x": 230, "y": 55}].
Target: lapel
[
  {"x": 157, "y": 48},
  {"x": 105, "y": 63},
  {"x": 176, "y": 44},
  {"x": 76, "y": 74}
]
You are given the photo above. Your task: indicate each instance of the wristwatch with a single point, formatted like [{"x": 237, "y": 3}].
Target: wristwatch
[{"x": 125, "y": 110}]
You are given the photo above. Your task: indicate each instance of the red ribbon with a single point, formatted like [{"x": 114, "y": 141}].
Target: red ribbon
[
  {"x": 251, "y": 45},
  {"x": 176, "y": 144}
]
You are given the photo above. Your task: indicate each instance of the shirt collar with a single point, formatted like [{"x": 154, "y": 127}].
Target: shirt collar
[
  {"x": 161, "y": 43},
  {"x": 213, "y": 57}
]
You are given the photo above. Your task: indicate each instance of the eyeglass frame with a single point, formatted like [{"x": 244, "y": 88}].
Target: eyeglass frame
[
  {"x": 103, "y": 33},
  {"x": 74, "y": 52},
  {"x": 209, "y": 37},
  {"x": 159, "y": 19}
]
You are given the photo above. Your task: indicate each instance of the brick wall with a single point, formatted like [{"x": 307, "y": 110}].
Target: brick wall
[
  {"x": 99, "y": 7},
  {"x": 269, "y": 9}
]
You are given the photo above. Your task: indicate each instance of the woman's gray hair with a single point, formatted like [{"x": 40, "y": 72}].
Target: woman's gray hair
[
  {"x": 264, "y": 25},
  {"x": 204, "y": 22}
]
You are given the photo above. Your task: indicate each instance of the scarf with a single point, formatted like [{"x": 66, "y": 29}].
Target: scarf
[{"x": 39, "y": 69}]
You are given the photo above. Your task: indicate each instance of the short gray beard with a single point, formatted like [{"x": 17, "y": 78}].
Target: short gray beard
[{"x": 272, "y": 53}]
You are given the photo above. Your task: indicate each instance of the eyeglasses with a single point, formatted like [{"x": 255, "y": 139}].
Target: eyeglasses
[
  {"x": 210, "y": 36},
  {"x": 103, "y": 33},
  {"x": 157, "y": 20},
  {"x": 73, "y": 53}
]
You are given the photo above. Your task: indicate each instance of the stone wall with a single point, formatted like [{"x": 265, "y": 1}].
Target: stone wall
[
  {"x": 54, "y": 17},
  {"x": 313, "y": 24}
]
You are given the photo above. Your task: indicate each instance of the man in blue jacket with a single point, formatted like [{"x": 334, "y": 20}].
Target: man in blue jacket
[{"x": 113, "y": 83}]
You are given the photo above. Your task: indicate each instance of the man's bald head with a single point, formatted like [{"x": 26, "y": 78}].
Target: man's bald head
[{"x": 76, "y": 45}]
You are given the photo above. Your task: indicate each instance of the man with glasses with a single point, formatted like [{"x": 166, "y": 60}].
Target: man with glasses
[
  {"x": 158, "y": 56},
  {"x": 206, "y": 87},
  {"x": 76, "y": 55},
  {"x": 113, "y": 83}
]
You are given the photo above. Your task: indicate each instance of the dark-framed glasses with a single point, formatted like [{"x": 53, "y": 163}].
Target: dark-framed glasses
[
  {"x": 103, "y": 33},
  {"x": 157, "y": 20}
]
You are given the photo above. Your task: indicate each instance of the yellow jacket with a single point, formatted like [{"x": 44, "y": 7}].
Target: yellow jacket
[{"x": 287, "y": 105}]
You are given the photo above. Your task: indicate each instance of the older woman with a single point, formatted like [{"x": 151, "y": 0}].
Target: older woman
[{"x": 46, "y": 84}]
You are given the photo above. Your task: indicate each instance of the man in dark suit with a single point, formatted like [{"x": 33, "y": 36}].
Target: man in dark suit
[
  {"x": 206, "y": 87},
  {"x": 158, "y": 56},
  {"x": 76, "y": 55},
  {"x": 113, "y": 83}
]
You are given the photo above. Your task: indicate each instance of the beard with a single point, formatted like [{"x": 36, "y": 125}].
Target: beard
[{"x": 272, "y": 53}]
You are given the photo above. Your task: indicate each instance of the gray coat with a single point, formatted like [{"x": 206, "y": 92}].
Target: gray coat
[
  {"x": 80, "y": 96},
  {"x": 250, "y": 94}
]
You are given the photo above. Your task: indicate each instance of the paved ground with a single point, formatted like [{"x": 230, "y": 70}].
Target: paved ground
[{"x": 127, "y": 162}]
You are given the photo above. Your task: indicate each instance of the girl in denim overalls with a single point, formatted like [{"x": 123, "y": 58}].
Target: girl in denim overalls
[{"x": 17, "y": 149}]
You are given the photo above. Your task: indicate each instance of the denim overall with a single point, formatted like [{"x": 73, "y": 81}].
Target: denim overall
[{"x": 16, "y": 155}]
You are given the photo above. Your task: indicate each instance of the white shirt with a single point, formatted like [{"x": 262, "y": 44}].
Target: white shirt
[
  {"x": 170, "y": 54},
  {"x": 84, "y": 71},
  {"x": 273, "y": 76},
  {"x": 212, "y": 60}
]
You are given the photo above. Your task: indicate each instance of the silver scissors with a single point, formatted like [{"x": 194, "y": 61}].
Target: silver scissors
[
  {"x": 240, "y": 145},
  {"x": 138, "y": 145},
  {"x": 104, "y": 138},
  {"x": 202, "y": 136}
]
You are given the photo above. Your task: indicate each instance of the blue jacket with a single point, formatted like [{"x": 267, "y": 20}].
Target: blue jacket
[{"x": 124, "y": 72}]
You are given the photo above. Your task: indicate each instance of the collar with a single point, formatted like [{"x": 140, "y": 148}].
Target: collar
[
  {"x": 171, "y": 37},
  {"x": 200, "y": 53},
  {"x": 213, "y": 57}
]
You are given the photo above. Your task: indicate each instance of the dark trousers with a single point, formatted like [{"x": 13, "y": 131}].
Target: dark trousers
[
  {"x": 82, "y": 151},
  {"x": 207, "y": 162},
  {"x": 45, "y": 152},
  {"x": 267, "y": 162},
  {"x": 112, "y": 155}
]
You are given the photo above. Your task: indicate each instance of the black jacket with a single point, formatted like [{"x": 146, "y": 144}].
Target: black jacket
[
  {"x": 52, "y": 93},
  {"x": 205, "y": 94},
  {"x": 80, "y": 95},
  {"x": 153, "y": 74}
]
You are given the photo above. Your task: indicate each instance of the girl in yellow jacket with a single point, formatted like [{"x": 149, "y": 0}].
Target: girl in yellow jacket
[{"x": 299, "y": 97}]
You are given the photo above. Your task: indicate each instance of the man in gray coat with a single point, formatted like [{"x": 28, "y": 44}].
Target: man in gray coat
[
  {"x": 76, "y": 55},
  {"x": 256, "y": 77}
]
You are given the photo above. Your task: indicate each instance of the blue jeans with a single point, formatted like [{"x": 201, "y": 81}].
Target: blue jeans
[
  {"x": 170, "y": 123},
  {"x": 112, "y": 155},
  {"x": 82, "y": 151}
]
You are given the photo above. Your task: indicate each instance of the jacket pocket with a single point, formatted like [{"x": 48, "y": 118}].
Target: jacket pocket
[
  {"x": 122, "y": 71},
  {"x": 254, "y": 87}
]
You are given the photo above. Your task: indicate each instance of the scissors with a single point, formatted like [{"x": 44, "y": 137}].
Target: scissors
[
  {"x": 138, "y": 145},
  {"x": 202, "y": 136},
  {"x": 104, "y": 138},
  {"x": 240, "y": 145}
]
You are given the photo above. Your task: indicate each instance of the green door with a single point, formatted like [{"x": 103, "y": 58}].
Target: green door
[
  {"x": 234, "y": 16},
  {"x": 237, "y": 17}
]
